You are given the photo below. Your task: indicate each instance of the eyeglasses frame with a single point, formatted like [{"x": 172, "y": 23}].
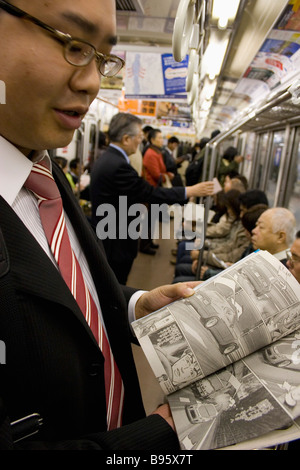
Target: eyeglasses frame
[
  {"x": 62, "y": 37},
  {"x": 289, "y": 256}
]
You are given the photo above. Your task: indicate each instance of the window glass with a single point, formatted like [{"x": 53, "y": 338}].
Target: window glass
[
  {"x": 262, "y": 160},
  {"x": 276, "y": 157}
]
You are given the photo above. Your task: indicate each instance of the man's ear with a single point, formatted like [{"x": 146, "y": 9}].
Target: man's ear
[
  {"x": 281, "y": 237},
  {"x": 125, "y": 139}
]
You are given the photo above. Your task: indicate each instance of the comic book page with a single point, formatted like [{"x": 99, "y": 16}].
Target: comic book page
[
  {"x": 237, "y": 312},
  {"x": 258, "y": 396}
]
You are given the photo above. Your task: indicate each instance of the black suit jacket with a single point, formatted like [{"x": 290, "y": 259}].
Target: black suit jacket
[
  {"x": 112, "y": 177},
  {"x": 53, "y": 364}
]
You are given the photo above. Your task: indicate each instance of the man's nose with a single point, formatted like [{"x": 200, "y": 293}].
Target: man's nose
[{"x": 87, "y": 79}]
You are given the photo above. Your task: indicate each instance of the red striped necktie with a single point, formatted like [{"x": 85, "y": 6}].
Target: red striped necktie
[{"x": 42, "y": 184}]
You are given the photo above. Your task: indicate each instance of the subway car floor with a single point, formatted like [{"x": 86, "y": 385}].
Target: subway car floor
[{"x": 147, "y": 273}]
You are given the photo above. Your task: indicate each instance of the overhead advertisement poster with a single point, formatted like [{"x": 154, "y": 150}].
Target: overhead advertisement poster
[
  {"x": 279, "y": 57},
  {"x": 275, "y": 63},
  {"x": 155, "y": 76},
  {"x": 138, "y": 107}
]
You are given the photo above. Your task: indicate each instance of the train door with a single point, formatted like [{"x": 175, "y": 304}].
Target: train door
[
  {"x": 260, "y": 160},
  {"x": 273, "y": 165}
]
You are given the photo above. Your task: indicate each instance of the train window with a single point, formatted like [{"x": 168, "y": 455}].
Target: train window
[
  {"x": 262, "y": 160},
  {"x": 292, "y": 201},
  {"x": 274, "y": 165},
  {"x": 246, "y": 148}
]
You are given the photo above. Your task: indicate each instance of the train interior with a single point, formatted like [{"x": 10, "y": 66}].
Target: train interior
[{"x": 236, "y": 65}]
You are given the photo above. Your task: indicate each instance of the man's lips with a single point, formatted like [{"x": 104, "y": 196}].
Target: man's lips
[{"x": 71, "y": 118}]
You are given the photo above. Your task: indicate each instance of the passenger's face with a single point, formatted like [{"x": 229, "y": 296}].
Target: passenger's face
[
  {"x": 133, "y": 142},
  {"x": 41, "y": 87},
  {"x": 263, "y": 237},
  {"x": 158, "y": 140},
  {"x": 294, "y": 265}
]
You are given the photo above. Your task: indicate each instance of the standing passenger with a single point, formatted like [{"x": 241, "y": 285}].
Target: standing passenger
[
  {"x": 154, "y": 166},
  {"x": 87, "y": 395},
  {"x": 113, "y": 177}
]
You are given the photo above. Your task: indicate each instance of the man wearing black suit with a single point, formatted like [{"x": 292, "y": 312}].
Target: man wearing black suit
[
  {"x": 113, "y": 177},
  {"x": 54, "y": 367}
]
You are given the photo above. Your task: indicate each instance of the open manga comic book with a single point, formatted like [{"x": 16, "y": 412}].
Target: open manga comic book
[{"x": 228, "y": 358}]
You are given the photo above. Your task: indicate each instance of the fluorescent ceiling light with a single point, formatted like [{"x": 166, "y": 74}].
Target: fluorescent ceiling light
[
  {"x": 208, "y": 90},
  {"x": 225, "y": 11},
  {"x": 214, "y": 54}
]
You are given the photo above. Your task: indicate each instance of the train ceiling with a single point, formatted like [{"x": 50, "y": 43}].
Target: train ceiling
[{"x": 148, "y": 25}]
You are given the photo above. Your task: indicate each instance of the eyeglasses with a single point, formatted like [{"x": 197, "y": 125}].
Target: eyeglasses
[
  {"x": 292, "y": 258},
  {"x": 76, "y": 51}
]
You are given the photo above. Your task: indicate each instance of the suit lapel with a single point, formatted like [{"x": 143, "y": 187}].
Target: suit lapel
[{"x": 31, "y": 267}]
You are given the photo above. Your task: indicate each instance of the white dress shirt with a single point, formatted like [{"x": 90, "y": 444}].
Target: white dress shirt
[
  {"x": 14, "y": 171},
  {"x": 281, "y": 255}
]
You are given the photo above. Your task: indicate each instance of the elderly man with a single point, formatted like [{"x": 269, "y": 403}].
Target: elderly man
[{"x": 274, "y": 232}]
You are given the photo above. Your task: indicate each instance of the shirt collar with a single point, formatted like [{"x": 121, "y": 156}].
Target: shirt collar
[
  {"x": 281, "y": 255},
  {"x": 15, "y": 168},
  {"x": 120, "y": 150}
]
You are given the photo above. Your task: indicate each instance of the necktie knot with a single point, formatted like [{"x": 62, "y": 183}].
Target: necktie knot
[{"x": 41, "y": 182}]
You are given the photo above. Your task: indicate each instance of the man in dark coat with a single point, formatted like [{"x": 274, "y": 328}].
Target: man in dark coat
[
  {"x": 113, "y": 177},
  {"x": 53, "y": 367}
]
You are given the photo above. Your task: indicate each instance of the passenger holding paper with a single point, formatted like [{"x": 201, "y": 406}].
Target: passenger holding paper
[{"x": 57, "y": 290}]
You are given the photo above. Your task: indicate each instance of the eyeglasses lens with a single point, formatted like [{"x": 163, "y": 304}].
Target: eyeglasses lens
[
  {"x": 110, "y": 67},
  {"x": 78, "y": 53}
]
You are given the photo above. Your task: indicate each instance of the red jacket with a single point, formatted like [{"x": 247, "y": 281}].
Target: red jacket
[{"x": 154, "y": 167}]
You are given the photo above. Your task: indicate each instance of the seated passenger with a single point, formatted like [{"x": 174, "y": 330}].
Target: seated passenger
[
  {"x": 235, "y": 236},
  {"x": 235, "y": 181},
  {"x": 218, "y": 230},
  {"x": 218, "y": 208},
  {"x": 274, "y": 232},
  {"x": 223, "y": 227},
  {"x": 250, "y": 198},
  {"x": 293, "y": 258},
  {"x": 248, "y": 220},
  {"x": 228, "y": 249},
  {"x": 293, "y": 264}
]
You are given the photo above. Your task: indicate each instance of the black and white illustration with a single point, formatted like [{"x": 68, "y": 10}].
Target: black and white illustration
[
  {"x": 243, "y": 309},
  {"x": 230, "y": 355}
]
